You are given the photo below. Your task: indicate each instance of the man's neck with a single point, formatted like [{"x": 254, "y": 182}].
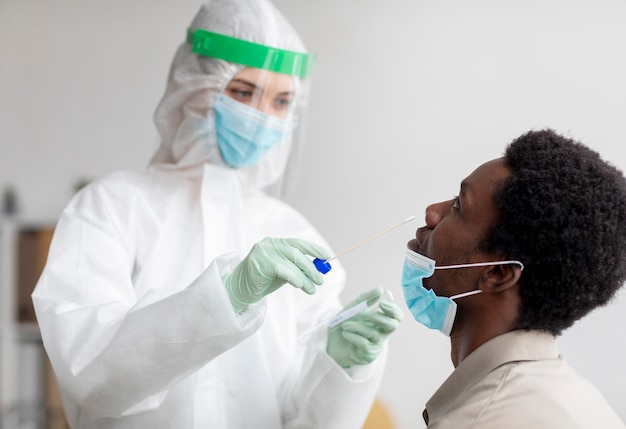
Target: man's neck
[{"x": 470, "y": 331}]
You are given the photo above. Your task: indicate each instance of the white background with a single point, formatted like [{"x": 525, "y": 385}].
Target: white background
[{"x": 409, "y": 96}]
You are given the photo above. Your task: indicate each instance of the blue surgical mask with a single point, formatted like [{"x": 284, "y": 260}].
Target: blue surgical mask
[
  {"x": 432, "y": 311},
  {"x": 244, "y": 133}
]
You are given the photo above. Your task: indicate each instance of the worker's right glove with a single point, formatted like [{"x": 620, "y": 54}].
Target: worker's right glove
[
  {"x": 360, "y": 339},
  {"x": 271, "y": 263}
]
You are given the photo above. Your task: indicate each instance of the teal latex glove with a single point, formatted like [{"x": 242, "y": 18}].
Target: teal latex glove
[
  {"x": 359, "y": 340},
  {"x": 271, "y": 263}
]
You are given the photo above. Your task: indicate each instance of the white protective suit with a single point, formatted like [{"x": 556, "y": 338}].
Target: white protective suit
[{"x": 131, "y": 305}]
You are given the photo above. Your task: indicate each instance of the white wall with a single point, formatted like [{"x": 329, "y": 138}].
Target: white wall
[{"x": 409, "y": 96}]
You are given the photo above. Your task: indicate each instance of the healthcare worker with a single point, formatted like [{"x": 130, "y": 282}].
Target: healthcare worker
[{"x": 163, "y": 303}]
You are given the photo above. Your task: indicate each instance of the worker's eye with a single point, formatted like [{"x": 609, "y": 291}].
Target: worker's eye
[
  {"x": 283, "y": 102},
  {"x": 241, "y": 95}
]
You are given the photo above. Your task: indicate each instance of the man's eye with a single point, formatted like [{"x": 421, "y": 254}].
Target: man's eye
[{"x": 456, "y": 203}]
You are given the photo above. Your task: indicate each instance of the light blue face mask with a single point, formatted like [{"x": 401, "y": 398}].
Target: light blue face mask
[
  {"x": 432, "y": 311},
  {"x": 244, "y": 133}
]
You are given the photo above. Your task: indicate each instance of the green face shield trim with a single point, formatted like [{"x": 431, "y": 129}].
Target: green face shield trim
[{"x": 250, "y": 54}]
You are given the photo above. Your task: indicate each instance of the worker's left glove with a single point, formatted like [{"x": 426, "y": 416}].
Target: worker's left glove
[
  {"x": 271, "y": 263},
  {"x": 360, "y": 339}
]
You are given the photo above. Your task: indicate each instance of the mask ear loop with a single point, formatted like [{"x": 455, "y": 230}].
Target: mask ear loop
[
  {"x": 480, "y": 264},
  {"x": 463, "y": 295},
  {"x": 476, "y": 264}
]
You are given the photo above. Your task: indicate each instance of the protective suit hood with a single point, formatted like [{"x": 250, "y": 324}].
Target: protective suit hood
[{"x": 185, "y": 118}]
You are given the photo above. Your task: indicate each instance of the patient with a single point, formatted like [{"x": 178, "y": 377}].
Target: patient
[{"x": 534, "y": 241}]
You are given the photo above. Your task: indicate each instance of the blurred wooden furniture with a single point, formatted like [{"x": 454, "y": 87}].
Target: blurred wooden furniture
[
  {"x": 29, "y": 394},
  {"x": 379, "y": 417}
]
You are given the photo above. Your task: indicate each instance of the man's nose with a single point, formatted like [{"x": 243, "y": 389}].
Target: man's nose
[{"x": 435, "y": 212}]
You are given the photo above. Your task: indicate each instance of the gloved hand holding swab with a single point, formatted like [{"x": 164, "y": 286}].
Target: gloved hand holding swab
[
  {"x": 367, "y": 301},
  {"x": 323, "y": 265}
]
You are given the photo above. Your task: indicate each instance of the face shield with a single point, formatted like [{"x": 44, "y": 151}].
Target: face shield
[{"x": 259, "y": 113}]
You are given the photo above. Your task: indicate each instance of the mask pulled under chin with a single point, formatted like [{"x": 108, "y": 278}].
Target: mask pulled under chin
[{"x": 429, "y": 309}]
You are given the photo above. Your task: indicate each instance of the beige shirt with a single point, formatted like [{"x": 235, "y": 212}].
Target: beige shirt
[{"x": 518, "y": 380}]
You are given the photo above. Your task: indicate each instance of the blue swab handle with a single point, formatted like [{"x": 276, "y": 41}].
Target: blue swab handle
[{"x": 322, "y": 266}]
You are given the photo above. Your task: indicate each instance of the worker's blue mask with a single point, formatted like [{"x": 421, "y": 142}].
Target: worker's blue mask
[
  {"x": 432, "y": 311},
  {"x": 244, "y": 133}
]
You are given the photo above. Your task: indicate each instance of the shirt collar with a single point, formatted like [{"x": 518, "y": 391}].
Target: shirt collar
[{"x": 513, "y": 346}]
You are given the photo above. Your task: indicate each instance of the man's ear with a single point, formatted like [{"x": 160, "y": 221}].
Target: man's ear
[{"x": 497, "y": 278}]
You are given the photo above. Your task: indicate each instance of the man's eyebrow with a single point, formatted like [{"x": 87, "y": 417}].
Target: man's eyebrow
[{"x": 463, "y": 187}]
